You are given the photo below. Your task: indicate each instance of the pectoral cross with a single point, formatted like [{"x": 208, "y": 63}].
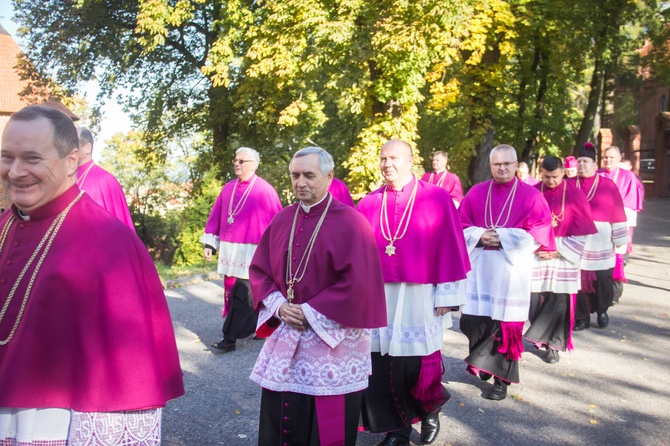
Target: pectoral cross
[
  {"x": 231, "y": 220},
  {"x": 390, "y": 249},
  {"x": 289, "y": 292}
]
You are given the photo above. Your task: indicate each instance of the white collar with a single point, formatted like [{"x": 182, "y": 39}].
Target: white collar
[{"x": 309, "y": 208}]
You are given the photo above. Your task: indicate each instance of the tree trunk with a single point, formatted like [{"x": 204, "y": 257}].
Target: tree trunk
[
  {"x": 219, "y": 121},
  {"x": 591, "y": 108},
  {"x": 609, "y": 86},
  {"x": 528, "y": 154},
  {"x": 523, "y": 86},
  {"x": 479, "y": 169}
]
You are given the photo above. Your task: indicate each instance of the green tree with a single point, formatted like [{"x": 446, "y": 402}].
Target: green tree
[{"x": 153, "y": 191}]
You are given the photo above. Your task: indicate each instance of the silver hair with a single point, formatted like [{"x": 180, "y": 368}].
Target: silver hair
[
  {"x": 502, "y": 148},
  {"x": 251, "y": 152},
  {"x": 326, "y": 163}
]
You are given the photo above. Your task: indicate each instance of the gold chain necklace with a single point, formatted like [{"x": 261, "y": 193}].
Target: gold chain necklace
[
  {"x": 488, "y": 219},
  {"x": 48, "y": 238},
  {"x": 82, "y": 179},
  {"x": 556, "y": 219},
  {"x": 592, "y": 191},
  {"x": 232, "y": 213},
  {"x": 292, "y": 279},
  {"x": 385, "y": 226},
  {"x": 440, "y": 182}
]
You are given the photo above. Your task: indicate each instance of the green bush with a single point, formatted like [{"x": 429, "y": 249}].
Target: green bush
[
  {"x": 158, "y": 232},
  {"x": 194, "y": 217}
]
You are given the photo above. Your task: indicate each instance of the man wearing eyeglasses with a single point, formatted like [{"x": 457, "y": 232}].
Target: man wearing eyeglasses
[
  {"x": 505, "y": 222},
  {"x": 244, "y": 208}
]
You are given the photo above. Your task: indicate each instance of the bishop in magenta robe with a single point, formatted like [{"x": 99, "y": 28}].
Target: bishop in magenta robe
[
  {"x": 599, "y": 259},
  {"x": 85, "y": 331},
  {"x": 317, "y": 284},
  {"x": 505, "y": 222},
  {"x": 556, "y": 274},
  {"x": 101, "y": 185},
  {"x": 441, "y": 177},
  {"x": 424, "y": 261},
  {"x": 242, "y": 211}
]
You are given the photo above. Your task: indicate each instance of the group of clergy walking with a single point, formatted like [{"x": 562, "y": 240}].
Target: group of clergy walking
[{"x": 352, "y": 301}]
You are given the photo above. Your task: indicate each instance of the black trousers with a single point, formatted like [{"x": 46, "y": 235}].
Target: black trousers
[
  {"x": 290, "y": 418},
  {"x": 549, "y": 318},
  {"x": 388, "y": 404},
  {"x": 241, "y": 319},
  {"x": 483, "y": 334},
  {"x": 599, "y": 301}
]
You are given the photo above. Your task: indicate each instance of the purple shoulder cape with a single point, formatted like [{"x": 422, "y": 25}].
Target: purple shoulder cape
[
  {"x": 96, "y": 334},
  {"x": 343, "y": 280},
  {"x": 433, "y": 248},
  {"x": 255, "y": 215},
  {"x": 530, "y": 211}
]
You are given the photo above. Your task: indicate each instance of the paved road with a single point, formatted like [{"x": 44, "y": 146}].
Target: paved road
[{"x": 613, "y": 389}]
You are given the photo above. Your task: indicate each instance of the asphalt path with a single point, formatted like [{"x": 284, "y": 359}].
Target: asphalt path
[{"x": 613, "y": 389}]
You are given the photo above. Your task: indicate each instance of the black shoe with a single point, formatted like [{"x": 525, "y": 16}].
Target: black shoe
[
  {"x": 484, "y": 376},
  {"x": 499, "y": 391},
  {"x": 224, "y": 345},
  {"x": 393, "y": 440},
  {"x": 582, "y": 324},
  {"x": 603, "y": 320},
  {"x": 551, "y": 357},
  {"x": 430, "y": 427}
]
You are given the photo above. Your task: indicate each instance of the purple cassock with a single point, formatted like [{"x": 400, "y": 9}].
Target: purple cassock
[
  {"x": 529, "y": 210},
  {"x": 340, "y": 191},
  {"x": 433, "y": 249},
  {"x": 105, "y": 190},
  {"x": 340, "y": 280},
  {"x": 254, "y": 216},
  {"x": 95, "y": 335},
  {"x": 447, "y": 181},
  {"x": 630, "y": 188}
]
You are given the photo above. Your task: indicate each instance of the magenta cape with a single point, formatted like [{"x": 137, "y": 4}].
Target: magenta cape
[
  {"x": 96, "y": 334},
  {"x": 105, "y": 190},
  {"x": 261, "y": 206},
  {"x": 340, "y": 191},
  {"x": 451, "y": 184},
  {"x": 343, "y": 280},
  {"x": 433, "y": 248},
  {"x": 630, "y": 188},
  {"x": 606, "y": 204},
  {"x": 577, "y": 218},
  {"x": 530, "y": 211}
]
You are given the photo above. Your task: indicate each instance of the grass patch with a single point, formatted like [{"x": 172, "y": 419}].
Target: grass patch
[{"x": 175, "y": 272}]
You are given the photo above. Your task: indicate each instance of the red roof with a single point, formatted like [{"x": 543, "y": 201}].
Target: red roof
[{"x": 12, "y": 85}]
